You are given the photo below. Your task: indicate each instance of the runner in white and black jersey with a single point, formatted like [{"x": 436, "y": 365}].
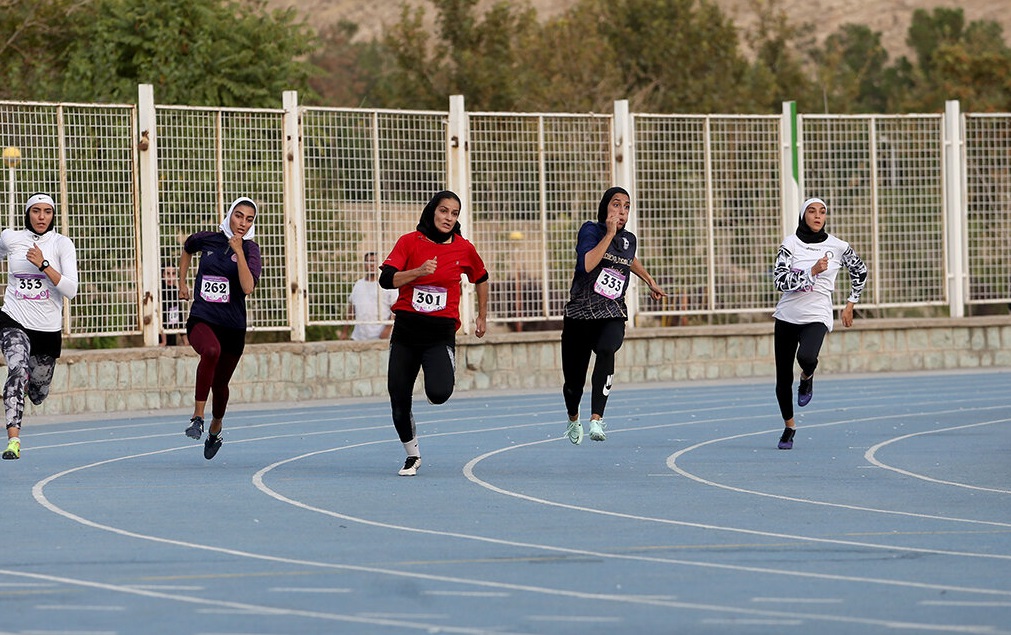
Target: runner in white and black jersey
[
  {"x": 805, "y": 271},
  {"x": 41, "y": 272},
  {"x": 595, "y": 314}
]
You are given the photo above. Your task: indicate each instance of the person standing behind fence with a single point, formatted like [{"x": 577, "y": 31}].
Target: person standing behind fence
[
  {"x": 426, "y": 265},
  {"x": 229, "y": 270},
  {"x": 41, "y": 272},
  {"x": 805, "y": 271},
  {"x": 369, "y": 303},
  {"x": 595, "y": 315}
]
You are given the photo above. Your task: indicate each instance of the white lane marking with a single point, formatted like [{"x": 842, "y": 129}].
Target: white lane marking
[
  {"x": 871, "y": 457},
  {"x": 673, "y": 465}
]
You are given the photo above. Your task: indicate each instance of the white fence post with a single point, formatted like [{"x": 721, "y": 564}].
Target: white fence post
[
  {"x": 955, "y": 212},
  {"x": 150, "y": 236},
  {"x": 623, "y": 169},
  {"x": 791, "y": 176},
  {"x": 458, "y": 180},
  {"x": 294, "y": 218}
]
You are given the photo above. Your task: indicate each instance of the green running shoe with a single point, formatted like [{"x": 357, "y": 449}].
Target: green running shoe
[
  {"x": 597, "y": 429},
  {"x": 575, "y": 432},
  {"x": 13, "y": 450}
]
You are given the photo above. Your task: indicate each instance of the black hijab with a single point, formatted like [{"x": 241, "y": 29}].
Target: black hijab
[
  {"x": 427, "y": 223},
  {"x": 35, "y": 199},
  {"x": 605, "y": 200},
  {"x": 804, "y": 232}
]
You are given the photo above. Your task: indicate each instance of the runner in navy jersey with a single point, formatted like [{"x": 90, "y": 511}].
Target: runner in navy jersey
[
  {"x": 805, "y": 271},
  {"x": 595, "y": 314},
  {"x": 41, "y": 272},
  {"x": 426, "y": 265},
  {"x": 229, "y": 270}
]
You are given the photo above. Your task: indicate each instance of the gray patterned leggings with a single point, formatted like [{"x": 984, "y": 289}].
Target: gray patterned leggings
[{"x": 26, "y": 374}]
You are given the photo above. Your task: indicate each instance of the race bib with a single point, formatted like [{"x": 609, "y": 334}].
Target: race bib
[
  {"x": 610, "y": 283},
  {"x": 427, "y": 299},
  {"x": 30, "y": 286},
  {"x": 215, "y": 289}
]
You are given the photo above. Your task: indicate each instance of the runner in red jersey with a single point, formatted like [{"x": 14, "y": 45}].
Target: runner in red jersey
[{"x": 426, "y": 266}]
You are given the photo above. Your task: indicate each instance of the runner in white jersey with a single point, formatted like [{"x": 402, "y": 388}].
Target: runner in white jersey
[
  {"x": 41, "y": 272},
  {"x": 806, "y": 268}
]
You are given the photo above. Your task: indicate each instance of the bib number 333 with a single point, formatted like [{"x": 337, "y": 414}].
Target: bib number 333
[{"x": 610, "y": 283}]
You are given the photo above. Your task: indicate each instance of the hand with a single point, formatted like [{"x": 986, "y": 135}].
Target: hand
[
  {"x": 847, "y": 315},
  {"x": 656, "y": 292},
  {"x": 612, "y": 222},
  {"x": 480, "y": 326},
  {"x": 821, "y": 265},
  {"x": 427, "y": 268},
  {"x": 35, "y": 255},
  {"x": 235, "y": 242},
  {"x": 184, "y": 290}
]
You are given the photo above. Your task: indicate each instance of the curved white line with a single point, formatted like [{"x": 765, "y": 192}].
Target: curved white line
[
  {"x": 672, "y": 464},
  {"x": 871, "y": 457}
]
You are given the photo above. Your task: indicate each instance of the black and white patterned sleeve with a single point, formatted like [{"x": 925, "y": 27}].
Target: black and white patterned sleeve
[
  {"x": 787, "y": 278},
  {"x": 858, "y": 274}
]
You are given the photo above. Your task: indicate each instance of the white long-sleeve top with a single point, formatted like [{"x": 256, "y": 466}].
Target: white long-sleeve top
[
  {"x": 808, "y": 298},
  {"x": 31, "y": 298}
]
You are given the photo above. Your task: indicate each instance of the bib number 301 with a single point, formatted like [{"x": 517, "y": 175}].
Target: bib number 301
[
  {"x": 215, "y": 289},
  {"x": 610, "y": 284},
  {"x": 428, "y": 299}
]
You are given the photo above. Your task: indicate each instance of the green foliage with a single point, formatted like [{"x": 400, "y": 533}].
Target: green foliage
[
  {"x": 33, "y": 35},
  {"x": 205, "y": 52}
]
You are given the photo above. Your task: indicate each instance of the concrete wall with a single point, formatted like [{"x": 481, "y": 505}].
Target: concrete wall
[{"x": 159, "y": 378}]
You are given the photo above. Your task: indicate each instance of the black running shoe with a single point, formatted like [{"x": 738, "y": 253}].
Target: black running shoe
[
  {"x": 786, "y": 441},
  {"x": 411, "y": 466},
  {"x": 212, "y": 445},
  {"x": 196, "y": 429},
  {"x": 805, "y": 391}
]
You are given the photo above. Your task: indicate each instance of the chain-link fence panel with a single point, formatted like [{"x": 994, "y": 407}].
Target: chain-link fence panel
[{"x": 988, "y": 201}]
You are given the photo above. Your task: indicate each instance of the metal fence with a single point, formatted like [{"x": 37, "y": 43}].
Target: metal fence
[{"x": 924, "y": 199}]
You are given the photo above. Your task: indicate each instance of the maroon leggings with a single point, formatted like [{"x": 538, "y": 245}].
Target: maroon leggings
[{"x": 215, "y": 368}]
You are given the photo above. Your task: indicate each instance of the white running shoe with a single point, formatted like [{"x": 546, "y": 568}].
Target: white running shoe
[
  {"x": 411, "y": 466},
  {"x": 597, "y": 429}
]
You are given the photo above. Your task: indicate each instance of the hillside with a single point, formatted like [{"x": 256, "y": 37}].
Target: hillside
[{"x": 890, "y": 17}]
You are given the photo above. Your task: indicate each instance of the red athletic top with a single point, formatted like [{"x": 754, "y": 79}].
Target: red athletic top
[{"x": 438, "y": 294}]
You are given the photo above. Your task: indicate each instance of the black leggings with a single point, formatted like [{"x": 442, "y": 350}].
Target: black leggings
[
  {"x": 804, "y": 341},
  {"x": 406, "y": 361},
  {"x": 579, "y": 339}
]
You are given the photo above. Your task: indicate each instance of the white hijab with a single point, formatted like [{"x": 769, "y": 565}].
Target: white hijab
[{"x": 226, "y": 225}]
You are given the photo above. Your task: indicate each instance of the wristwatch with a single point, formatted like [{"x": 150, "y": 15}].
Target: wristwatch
[{"x": 44, "y": 265}]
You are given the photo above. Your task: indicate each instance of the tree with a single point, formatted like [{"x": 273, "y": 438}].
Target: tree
[
  {"x": 203, "y": 52},
  {"x": 778, "y": 72},
  {"x": 954, "y": 61},
  {"x": 851, "y": 70},
  {"x": 674, "y": 55},
  {"x": 473, "y": 56},
  {"x": 33, "y": 34},
  {"x": 346, "y": 72}
]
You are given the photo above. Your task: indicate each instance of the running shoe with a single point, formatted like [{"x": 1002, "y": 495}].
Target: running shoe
[
  {"x": 212, "y": 445},
  {"x": 805, "y": 391},
  {"x": 786, "y": 441},
  {"x": 411, "y": 466},
  {"x": 196, "y": 429},
  {"x": 575, "y": 432},
  {"x": 597, "y": 429},
  {"x": 13, "y": 450}
]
